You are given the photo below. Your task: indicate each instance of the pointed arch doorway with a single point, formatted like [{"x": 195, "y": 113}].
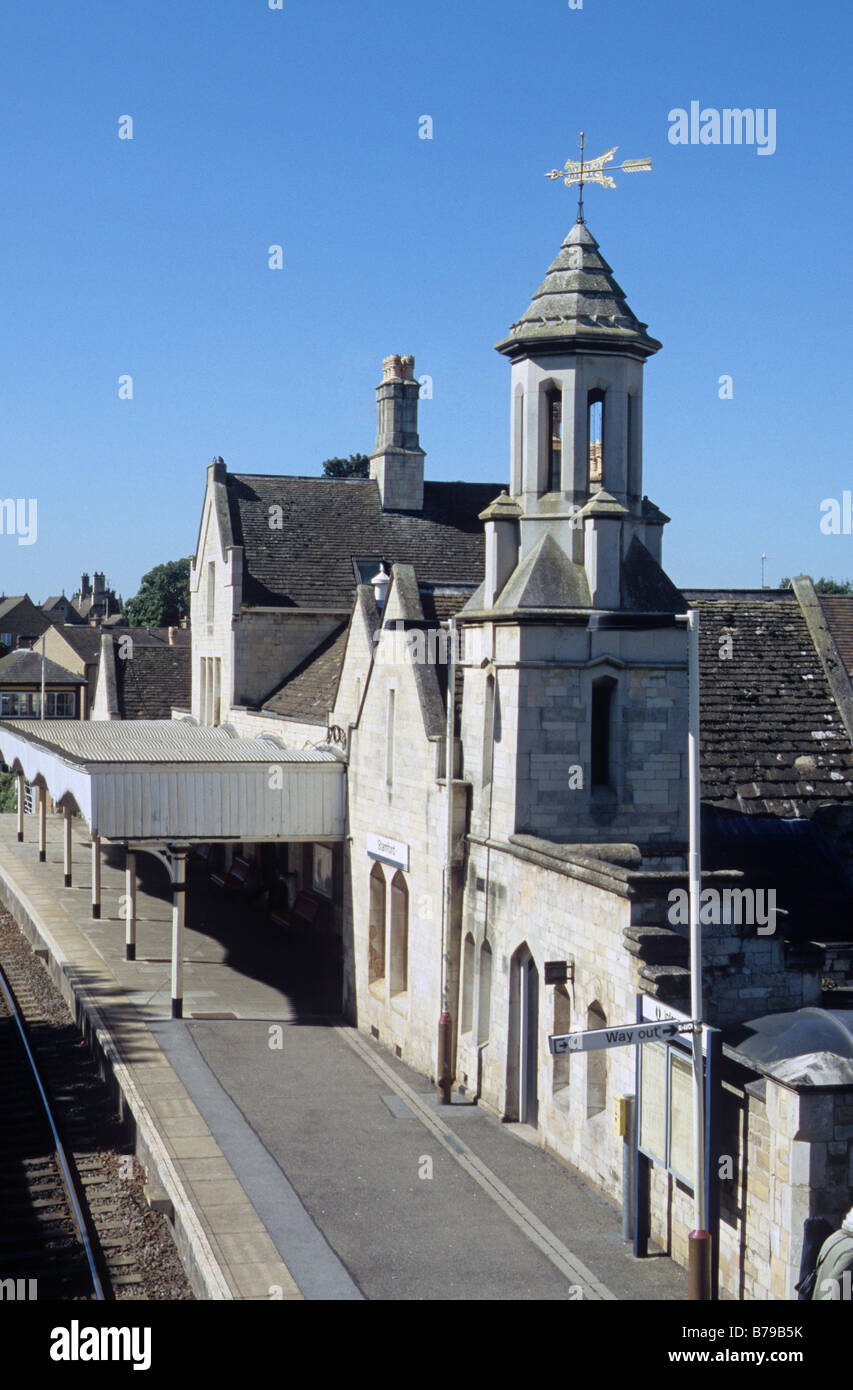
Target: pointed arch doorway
[{"x": 523, "y": 1052}]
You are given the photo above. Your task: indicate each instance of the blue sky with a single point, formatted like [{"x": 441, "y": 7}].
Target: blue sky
[{"x": 299, "y": 126}]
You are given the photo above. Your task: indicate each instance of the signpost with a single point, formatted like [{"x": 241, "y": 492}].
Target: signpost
[{"x": 597, "y": 1038}]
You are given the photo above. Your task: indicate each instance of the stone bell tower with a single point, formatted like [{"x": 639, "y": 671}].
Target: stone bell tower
[
  {"x": 576, "y": 457},
  {"x": 576, "y": 654}
]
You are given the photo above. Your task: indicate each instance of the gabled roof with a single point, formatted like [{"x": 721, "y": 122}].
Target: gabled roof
[
  {"x": 308, "y": 693},
  {"x": 24, "y": 667},
  {"x": 20, "y": 615},
  {"x": 579, "y": 305},
  {"x": 326, "y": 522},
  {"x": 152, "y": 681},
  {"x": 772, "y": 739}
]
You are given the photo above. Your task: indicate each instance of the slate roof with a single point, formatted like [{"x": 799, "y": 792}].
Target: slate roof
[
  {"x": 155, "y": 679},
  {"x": 86, "y": 641},
  {"x": 20, "y": 616},
  {"x": 580, "y": 304},
  {"x": 308, "y": 693},
  {"x": 325, "y": 522},
  {"x": 23, "y": 667},
  {"x": 772, "y": 740},
  {"x": 838, "y": 612}
]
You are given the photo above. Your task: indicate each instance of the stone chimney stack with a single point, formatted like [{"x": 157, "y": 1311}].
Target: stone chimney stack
[
  {"x": 100, "y": 584},
  {"x": 397, "y": 462},
  {"x": 85, "y": 590},
  {"x": 171, "y": 637}
]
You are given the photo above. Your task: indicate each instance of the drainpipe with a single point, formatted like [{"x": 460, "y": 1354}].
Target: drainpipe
[
  {"x": 445, "y": 1075},
  {"x": 699, "y": 1240}
]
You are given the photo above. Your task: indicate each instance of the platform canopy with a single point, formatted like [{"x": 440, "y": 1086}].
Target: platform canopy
[{"x": 175, "y": 781}]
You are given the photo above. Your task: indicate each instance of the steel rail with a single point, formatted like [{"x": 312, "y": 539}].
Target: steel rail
[{"x": 67, "y": 1176}]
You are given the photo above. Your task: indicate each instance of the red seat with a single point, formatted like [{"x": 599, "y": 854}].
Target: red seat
[{"x": 236, "y": 877}]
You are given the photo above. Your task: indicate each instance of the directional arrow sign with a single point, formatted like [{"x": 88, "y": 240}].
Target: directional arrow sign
[{"x": 612, "y": 1037}]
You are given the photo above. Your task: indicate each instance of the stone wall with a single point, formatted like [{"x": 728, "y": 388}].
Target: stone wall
[
  {"x": 541, "y": 761},
  {"x": 789, "y": 1154}
]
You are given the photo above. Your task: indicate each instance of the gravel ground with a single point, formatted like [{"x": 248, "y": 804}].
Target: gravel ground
[{"x": 145, "y": 1233}]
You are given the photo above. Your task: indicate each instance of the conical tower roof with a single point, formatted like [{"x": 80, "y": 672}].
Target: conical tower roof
[{"x": 578, "y": 307}]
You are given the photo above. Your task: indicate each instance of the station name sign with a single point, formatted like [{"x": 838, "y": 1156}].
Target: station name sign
[{"x": 389, "y": 851}]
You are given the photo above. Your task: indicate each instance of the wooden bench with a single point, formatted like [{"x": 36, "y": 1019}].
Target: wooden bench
[
  {"x": 308, "y": 912},
  {"x": 235, "y": 879}
]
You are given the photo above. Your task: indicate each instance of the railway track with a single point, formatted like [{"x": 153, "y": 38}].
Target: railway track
[{"x": 60, "y": 1227}]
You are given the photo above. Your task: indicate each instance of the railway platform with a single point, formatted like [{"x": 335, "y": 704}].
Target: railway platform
[{"x": 300, "y": 1159}]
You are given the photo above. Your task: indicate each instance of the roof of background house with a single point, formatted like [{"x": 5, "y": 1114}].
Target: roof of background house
[
  {"x": 24, "y": 667},
  {"x": 86, "y": 641},
  {"x": 152, "y": 681},
  {"x": 838, "y": 612},
  {"x": 33, "y": 620},
  {"x": 326, "y": 522},
  {"x": 772, "y": 740}
]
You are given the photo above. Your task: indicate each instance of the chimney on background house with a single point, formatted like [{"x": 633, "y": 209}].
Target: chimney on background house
[
  {"x": 397, "y": 462},
  {"x": 85, "y": 591}
]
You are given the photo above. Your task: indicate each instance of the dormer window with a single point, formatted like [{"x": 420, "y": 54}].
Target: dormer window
[{"x": 554, "y": 403}]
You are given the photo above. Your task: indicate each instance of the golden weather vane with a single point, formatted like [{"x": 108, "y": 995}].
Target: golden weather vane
[{"x": 592, "y": 171}]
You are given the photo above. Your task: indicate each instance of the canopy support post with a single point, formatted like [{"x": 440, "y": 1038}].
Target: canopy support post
[
  {"x": 130, "y": 904},
  {"x": 66, "y": 811},
  {"x": 179, "y": 909},
  {"x": 96, "y": 877},
  {"x": 42, "y": 825}
]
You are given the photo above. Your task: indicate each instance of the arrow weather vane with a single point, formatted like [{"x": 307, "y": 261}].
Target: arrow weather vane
[{"x": 592, "y": 171}]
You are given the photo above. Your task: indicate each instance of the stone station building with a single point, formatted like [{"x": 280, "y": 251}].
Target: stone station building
[{"x": 531, "y": 810}]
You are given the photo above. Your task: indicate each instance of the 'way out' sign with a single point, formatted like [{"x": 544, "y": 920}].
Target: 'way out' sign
[{"x": 612, "y": 1037}]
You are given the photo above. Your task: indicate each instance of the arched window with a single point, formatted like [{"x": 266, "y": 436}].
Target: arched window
[
  {"x": 484, "y": 998},
  {"x": 601, "y": 732},
  {"x": 562, "y": 1024},
  {"x": 376, "y": 929},
  {"x": 399, "y": 934},
  {"x": 554, "y": 423},
  {"x": 596, "y": 1066},
  {"x": 467, "y": 1011},
  {"x": 595, "y": 437}
]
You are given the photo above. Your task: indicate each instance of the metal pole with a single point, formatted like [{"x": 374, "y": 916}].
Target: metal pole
[
  {"x": 96, "y": 877},
  {"x": 21, "y": 798},
  {"x": 699, "y": 1239},
  {"x": 179, "y": 900},
  {"x": 41, "y": 709},
  {"x": 67, "y": 845},
  {"x": 130, "y": 896},
  {"x": 445, "y": 1074}
]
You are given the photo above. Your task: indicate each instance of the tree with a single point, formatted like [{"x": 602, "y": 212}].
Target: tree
[
  {"x": 356, "y": 466},
  {"x": 163, "y": 598},
  {"x": 825, "y": 586}
]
